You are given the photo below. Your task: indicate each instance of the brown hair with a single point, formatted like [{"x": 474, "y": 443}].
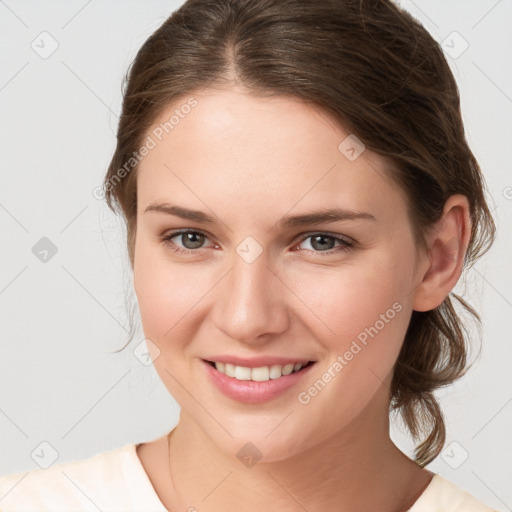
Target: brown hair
[{"x": 377, "y": 71}]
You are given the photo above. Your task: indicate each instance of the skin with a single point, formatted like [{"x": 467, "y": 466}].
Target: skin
[{"x": 248, "y": 161}]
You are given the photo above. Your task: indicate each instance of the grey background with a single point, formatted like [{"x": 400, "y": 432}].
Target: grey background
[{"x": 60, "y": 319}]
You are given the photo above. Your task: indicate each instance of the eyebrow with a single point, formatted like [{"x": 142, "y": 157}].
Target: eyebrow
[{"x": 325, "y": 215}]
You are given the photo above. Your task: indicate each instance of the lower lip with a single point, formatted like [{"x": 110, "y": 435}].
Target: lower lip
[{"x": 252, "y": 392}]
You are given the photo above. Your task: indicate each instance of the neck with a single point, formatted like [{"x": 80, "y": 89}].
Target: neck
[{"x": 358, "y": 469}]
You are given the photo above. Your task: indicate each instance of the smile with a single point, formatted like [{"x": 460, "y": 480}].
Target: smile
[
  {"x": 260, "y": 374},
  {"x": 259, "y": 382}
]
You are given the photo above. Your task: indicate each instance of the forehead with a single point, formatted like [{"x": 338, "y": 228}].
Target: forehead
[{"x": 260, "y": 153}]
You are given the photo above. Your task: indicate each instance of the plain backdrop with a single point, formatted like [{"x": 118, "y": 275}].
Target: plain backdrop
[{"x": 64, "y": 272}]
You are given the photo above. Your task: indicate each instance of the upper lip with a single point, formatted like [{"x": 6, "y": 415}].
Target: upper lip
[{"x": 256, "y": 362}]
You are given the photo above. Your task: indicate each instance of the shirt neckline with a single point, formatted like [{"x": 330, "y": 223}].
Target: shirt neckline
[
  {"x": 143, "y": 496},
  {"x": 146, "y": 495},
  {"x": 428, "y": 494}
]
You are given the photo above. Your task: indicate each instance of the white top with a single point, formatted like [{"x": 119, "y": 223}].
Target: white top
[{"x": 115, "y": 481}]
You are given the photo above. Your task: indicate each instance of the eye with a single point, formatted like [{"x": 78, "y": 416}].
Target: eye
[
  {"x": 324, "y": 243},
  {"x": 192, "y": 240}
]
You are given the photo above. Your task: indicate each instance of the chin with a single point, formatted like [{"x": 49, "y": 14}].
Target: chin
[{"x": 254, "y": 441}]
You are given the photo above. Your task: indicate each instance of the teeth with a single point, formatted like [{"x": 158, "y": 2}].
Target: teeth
[
  {"x": 287, "y": 369},
  {"x": 275, "y": 371},
  {"x": 229, "y": 369},
  {"x": 242, "y": 373},
  {"x": 261, "y": 374}
]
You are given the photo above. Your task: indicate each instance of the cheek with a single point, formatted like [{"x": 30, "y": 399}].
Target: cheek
[
  {"x": 365, "y": 310},
  {"x": 349, "y": 298},
  {"x": 166, "y": 293},
  {"x": 360, "y": 311}
]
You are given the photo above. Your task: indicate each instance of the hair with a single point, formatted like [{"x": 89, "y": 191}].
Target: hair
[{"x": 378, "y": 72}]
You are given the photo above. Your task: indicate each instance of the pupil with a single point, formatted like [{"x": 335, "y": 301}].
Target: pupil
[
  {"x": 320, "y": 237},
  {"x": 189, "y": 239}
]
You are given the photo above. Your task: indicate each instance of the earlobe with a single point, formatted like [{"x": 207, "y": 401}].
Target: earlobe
[{"x": 447, "y": 244}]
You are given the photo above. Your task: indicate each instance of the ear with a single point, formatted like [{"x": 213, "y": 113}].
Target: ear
[{"x": 447, "y": 243}]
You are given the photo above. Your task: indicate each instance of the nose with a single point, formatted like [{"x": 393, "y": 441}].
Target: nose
[{"x": 250, "y": 305}]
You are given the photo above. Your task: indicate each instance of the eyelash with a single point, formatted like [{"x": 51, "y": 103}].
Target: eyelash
[{"x": 166, "y": 240}]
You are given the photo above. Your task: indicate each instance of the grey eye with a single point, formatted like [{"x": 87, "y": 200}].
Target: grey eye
[{"x": 191, "y": 239}]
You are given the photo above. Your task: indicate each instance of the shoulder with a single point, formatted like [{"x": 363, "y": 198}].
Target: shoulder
[
  {"x": 441, "y": 495},
  {"x": 101, "y": 482}
]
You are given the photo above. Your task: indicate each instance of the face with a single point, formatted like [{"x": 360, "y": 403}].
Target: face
[{"x": 255, "y": 283}]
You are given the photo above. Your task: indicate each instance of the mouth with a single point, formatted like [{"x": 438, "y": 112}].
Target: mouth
[
  {"x": 259, "y": 374},
  {"x": 256, "y": 384}
]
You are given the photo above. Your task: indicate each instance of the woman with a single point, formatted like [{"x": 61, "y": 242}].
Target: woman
[{"x": 300, "y": 201}]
